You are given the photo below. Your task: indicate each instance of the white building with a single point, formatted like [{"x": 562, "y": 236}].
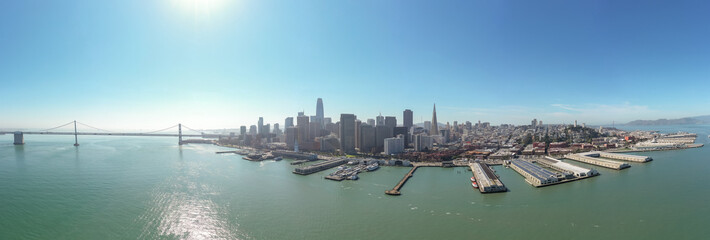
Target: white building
[
  {"x": 422, "y": 142},
  {"x": 394, "y": 145}
]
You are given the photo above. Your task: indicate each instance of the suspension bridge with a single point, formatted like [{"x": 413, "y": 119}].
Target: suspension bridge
[{"x": 19, "y": 138}]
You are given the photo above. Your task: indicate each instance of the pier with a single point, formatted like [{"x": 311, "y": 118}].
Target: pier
[
  {"x": 624, "y": 157},
  {"x": 534, "y": 174},
  {"x": 395, "y": 190},
  {"x": 541, "y": 177},
  {"x": 487, "y": 181},
  {"x": 580, "y": 157},
  {"x": 320, "y": 166},
  {"x": 571, "y": 171}
]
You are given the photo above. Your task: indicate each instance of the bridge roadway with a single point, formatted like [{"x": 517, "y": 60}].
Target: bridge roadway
[{"x": 113, "y": 134}]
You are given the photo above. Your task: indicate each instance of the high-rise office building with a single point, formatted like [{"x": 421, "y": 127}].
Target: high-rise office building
[
  {"x": 391, "y": 122},
  {"x": 367, "y": 138},
  {"x": 382, "y": 132},
  {"x": 291, "y": 136},
  {"x": 347, "y": 133},
  {"x": 302, "y": 124},
  {"x": 259, "y": 129},
  {"x": 357, "y": 133},
  {"x": 427, "y": 125},
  {"x": 434, "y": 124},
  {"x": 252, "y": 130},
  {"x": 289, "y": 122},
  {"x": 243, "y": 130},
  {"x": 533, "y": 123},
  {"x": 319, "y": 112},
  {"x": 313, "y": 130},
  {"x": 408, "y": 118},
  {"x": 266, "y": 132},
  {"x": 402, "y": 131},
  {"x": 380, "y": 120},
  {"x": 371, "y": 122}
]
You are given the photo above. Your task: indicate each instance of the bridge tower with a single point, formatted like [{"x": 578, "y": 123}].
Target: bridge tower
[
  {"x": 76, "y": 138},
  {"x": 179, "y": 134},
  {"x": 19, "y": 138}
]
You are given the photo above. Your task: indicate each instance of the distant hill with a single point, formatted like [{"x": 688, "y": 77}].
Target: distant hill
[{"x": 679, "y": 121}]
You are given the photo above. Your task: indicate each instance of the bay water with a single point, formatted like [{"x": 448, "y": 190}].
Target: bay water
[{"x": 152, "y": 188}]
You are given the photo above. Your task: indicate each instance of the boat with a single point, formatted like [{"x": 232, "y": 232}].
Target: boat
[
  {"x": 474, "y": 184},
  {"x": 353, "y": 177},
  {"x": 372, "y": 167},
  {"x": 473, "y": 179},
  {"x": 278, "y": 158}
]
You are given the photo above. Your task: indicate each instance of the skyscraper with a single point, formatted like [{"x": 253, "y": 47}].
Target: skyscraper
[
  {"x": 319, "y": 111},
  {"x": 391, "y": 122},
  {"x": 289, "y": 122},
  {"x": 260, "y": 127},
  {"x": 302, "y": 124},
  {"x": 367, "y": 138},
  {"x": 380, "y": 120},
  {"x": 408, "y": 118},
  {"x": 382, "y": 132},
  {"x": 434, "y": 124},
  {"x": 347, "y": 133}
]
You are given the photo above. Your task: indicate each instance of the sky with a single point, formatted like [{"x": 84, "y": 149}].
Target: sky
[{"x": 139, "y": 64}]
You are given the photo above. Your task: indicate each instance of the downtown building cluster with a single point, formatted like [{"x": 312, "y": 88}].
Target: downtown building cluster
[
  {"x": 428, "y": 141},
  {"x": 347, "y": 135}
]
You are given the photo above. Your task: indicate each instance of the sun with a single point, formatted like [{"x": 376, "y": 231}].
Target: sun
[{"x": 199, "y": 8}]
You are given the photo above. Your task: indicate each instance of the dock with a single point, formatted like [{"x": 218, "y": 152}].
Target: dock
[
  {"x": 487, "y": 181},
  {"x": 534, "y": 174},
  {"x": 395, "y": 190},
  {"x": 618, "y": 156},
  {"x": 320, "y": 166},
  {"x": 541, "y": 177},
  {"x": 570, "y": 171},
  {"x": 581, "y": 157}
]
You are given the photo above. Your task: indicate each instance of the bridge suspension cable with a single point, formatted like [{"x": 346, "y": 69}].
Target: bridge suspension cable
[
  {"x": 188, "y": 128},
  {"x": 48, "y": 129},
  {"x": 83, "y": 124},
  {"x": 160, "y": 130}
]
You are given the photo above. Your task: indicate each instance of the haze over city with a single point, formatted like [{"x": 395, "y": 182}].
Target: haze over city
[{"x": 222, "y": 64}]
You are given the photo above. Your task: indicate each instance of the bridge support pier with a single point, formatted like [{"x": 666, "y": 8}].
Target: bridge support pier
[
  {"x": 19, "y": 138},
  {"x": 76, "y": 138},
  {"x": 180, "y": 134}
]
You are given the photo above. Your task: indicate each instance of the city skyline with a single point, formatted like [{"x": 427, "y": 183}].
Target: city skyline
[{"x": 223, "y": 64}]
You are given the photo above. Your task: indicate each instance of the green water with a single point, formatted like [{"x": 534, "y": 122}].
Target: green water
[{"x": 151, "y": 188}]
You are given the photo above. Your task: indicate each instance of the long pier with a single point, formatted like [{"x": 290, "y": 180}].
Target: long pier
[
  {"x": 395, "y": 190},
  {"x": 598, "y": 161},
  {"x": 624, "y": 157},
  {"x": 534, "y": 174},
  {"x": 487, "y": 181},
  {"x": 320, "y": 166}
]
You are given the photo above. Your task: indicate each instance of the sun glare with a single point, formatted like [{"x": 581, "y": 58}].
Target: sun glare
[{"x": 199, "y": 8}]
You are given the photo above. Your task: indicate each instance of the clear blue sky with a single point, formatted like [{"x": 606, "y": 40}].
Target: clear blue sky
[{"x": 222, "y": 64}]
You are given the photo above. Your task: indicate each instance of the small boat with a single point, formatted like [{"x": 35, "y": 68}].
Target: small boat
[
  {"x": 474, "y": 184},
  {"x": 372, "y": 167},
  {"x": 278, "y": 158},
  {"x": 353, "y": 177},
  {"x": 473, "y": 179}
]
